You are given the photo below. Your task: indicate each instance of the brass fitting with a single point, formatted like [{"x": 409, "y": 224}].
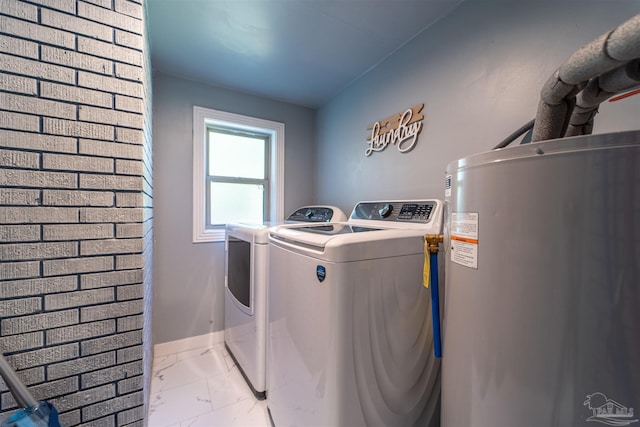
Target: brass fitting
[{"x": 433, "y": 240}]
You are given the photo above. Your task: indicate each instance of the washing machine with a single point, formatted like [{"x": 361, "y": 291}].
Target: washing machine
[
  {"x": 350, "y": 333},
  {"x": 245, "y": 318}
]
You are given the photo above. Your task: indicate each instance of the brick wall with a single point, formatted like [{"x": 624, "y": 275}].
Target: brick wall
[
  {"x": 75, "y": 206},
  {"x": 127, "y": 230}
]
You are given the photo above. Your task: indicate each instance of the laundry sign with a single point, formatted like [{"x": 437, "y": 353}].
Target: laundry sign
[{"x": 401, "y": 130}]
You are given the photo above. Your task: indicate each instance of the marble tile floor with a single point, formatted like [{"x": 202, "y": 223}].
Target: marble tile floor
[{"x": 202, "y": 387}]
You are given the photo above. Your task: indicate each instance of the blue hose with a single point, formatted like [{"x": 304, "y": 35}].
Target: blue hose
[{"x": 435, "y": 305}]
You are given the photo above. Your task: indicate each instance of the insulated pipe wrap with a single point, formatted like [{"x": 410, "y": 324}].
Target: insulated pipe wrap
[
  {"x": 598, "y": 90},
  {"x": 583, "y": 115},
  {"x": 622, "y": 78},
  {"x": 570, "y": 98},
  {"x": 584, "y": 129},
  {"x": 633, "y": 68},
  {"x": 592, "y": 95},
  {"x": 618, "y": 45},
  {"x": 591, "y": 60},
  {"x": 555, "y": 90},
  {"x": 546, "y": 123}
]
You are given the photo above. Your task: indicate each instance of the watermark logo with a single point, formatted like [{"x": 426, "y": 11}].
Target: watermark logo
[{"x": 608, "y": 411}]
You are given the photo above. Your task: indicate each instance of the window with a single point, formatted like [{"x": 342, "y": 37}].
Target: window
[
  {"x": 237, "y": 178},
  {"x": 237, "y": 171}
]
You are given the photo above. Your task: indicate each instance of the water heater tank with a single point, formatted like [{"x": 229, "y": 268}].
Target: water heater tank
[{"x": 542, "y": 303}]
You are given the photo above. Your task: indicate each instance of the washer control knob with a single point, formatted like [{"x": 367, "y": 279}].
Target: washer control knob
[{"x": 385, "y": 210}]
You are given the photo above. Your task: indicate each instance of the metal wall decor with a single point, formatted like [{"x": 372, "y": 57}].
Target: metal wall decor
[{"x": 401, "y": 130}]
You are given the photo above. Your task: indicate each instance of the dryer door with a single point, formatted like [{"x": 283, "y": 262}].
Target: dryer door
[{"x": 239, "y": 272}]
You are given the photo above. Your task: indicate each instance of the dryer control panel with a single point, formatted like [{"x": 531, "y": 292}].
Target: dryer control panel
[
  {"x": 419, "y": 211},
  {"x": 312, "y": 214}
]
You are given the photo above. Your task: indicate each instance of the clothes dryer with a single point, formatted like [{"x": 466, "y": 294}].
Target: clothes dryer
[
  {"x": 245, "y": 318},
  {"x": 350, "y": 334}
]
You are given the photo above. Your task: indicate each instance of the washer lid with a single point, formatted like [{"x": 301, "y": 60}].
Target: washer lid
[
  {"x": 347, "y": 242},
  {"x": 378, "y": 229},
  {"x": 332, "y": 229}
]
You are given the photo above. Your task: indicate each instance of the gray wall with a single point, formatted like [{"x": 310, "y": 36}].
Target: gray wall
[
  {"x": 188, "y": 277},
  {"x": 75, "y": 196},
  {"x": 479, "y": 72}
]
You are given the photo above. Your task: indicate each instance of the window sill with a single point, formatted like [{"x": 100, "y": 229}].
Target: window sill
[{"x": 209, "y": 235}]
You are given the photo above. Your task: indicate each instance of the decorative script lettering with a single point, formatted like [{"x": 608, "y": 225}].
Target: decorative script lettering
[{"x": 400, "y": 130}]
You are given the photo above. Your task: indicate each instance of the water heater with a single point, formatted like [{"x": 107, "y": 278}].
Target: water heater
[{"x": 542, "y": 303}]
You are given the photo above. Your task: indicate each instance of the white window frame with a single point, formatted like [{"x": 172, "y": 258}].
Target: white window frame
[{"x": 203, "y": 117}]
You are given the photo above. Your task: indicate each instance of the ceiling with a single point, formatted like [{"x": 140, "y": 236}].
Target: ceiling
[{"x": 299, "y": 51}]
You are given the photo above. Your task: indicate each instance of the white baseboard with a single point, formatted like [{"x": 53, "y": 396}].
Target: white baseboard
[{"x": 186, "y": 344}]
